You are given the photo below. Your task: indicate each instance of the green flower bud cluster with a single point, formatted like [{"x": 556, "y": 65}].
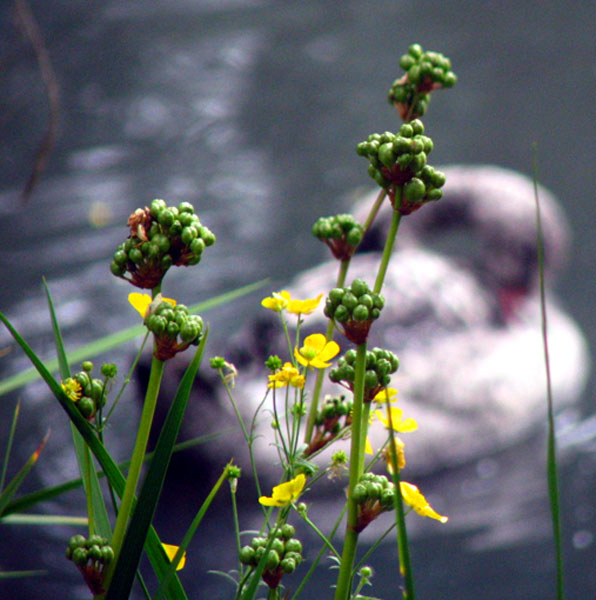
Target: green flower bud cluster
[
  {"x": 160, "y": 236},
  {"x": 283, "y": 556},
  {"x": 91, "y": 556},
  {"x": 398, "y": 160},
  {"x": 373, "y": 494},
  {"x": 170, "y": 323},
  {"x": 396, "y": 157},
  {"x": 341, "y": 233},
  {"x": 380, "y": 365},
  {"x": 354, "y": 309},
  {"x": 93, "y": 390},
  {"x": 425, "y": 72},
  {"x": 328, "y": 422}
]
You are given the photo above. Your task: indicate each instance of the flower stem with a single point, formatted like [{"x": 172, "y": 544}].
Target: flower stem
[
  {"x": 405, "y": 562},
  {"x": 314, "y": 403},
  {"x": 391, "y": 235},
  {"x": 344, "y": 580},
  {"x": 136, "y": 463}
]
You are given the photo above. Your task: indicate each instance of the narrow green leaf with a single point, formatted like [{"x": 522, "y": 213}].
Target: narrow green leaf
[
  {"x": 114, "y": 340},
  {"x": 21, "y": 574},
  {"x": 30, "y": 519},
  {"x": 16, "y": 481},
  {"x": 155, "y": 551},
  {"x": 191, "y": 532},
  {"x": 96, "y": 506},
  {"x": 132, "y": 547},
  {"x": 13, "y": 426}
]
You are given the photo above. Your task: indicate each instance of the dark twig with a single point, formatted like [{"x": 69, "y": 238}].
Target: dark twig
[{"x": 30, "y": 30}]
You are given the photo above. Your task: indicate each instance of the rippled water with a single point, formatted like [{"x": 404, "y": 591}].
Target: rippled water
[{"x": 251, "y": 110}]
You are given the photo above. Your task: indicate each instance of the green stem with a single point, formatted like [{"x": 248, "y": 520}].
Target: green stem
[
  {"x": 391, "y": 235},
  {"x": 405, "y": 562},
  {"x": 344, "y": 580},
  {"x": 374, "y": 210},
  {"x": 136, "y": 463},
  {"x": 314, "y": 404}
]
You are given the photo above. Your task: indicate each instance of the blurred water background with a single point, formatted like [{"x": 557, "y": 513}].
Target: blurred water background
[{"x": 251, "y": 110}]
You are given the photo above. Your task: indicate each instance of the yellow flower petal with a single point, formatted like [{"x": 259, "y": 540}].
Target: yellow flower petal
[
  {"x": 304, "y": 307},
  {"x": 412, "y": 497},
  {"x": 171, "y": 552},
  {"x": 72, "y": 388},
  {"x": 386, "y": 395},
  {"x": 399, "y": 425},
  {"x": 142, "y": 302},
  {"x": 368, "y": 448},
  {"x": 316, "y": 351},
  {"x": 285, "y": 493},
  {"x": 277, "y": 301}
]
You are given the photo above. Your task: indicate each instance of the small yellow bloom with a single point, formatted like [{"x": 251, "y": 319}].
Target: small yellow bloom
[
  {"x": 72, "y": 388},
  {"x": 285, "y": 493},
  {"x": 412, "y": 497},
  {"x": 171, "y": 552},
  {"x": 142, "y": 303},
  {"x": 277, "y": 302},
  {"x": 316, "y": 351},
  {"x": 399, "y": 453},
  {"x": 386, "y": 395},
  {"x": 399, "y": 425},
  {"x": 304, "y": 307},
  {"x": 288, "y": 375}
]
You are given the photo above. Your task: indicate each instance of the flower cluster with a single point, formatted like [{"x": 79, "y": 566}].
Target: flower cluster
[
  {"x": 425, "y": 72},
  {"x": 373, "y": 494},
  {"x": 380, "y": 365},
  {"x": 283, "y": 556},
  {"x": 341, "y": 233},
  {"x": 400, "y": 160},
  {"x": 160, "y": 236},
  {"x": 91, "y": 556},
  {"x": 328, "y": 422},
  {"x": 174, "y": 329},
  {"x": 354, "y": 309},
  {"x": 88, "y": 393}
]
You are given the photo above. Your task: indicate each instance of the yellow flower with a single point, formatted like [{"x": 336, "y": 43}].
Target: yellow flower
[
  {"x": 386, "y": 395},
  {"x": 285, "y": 493},
  {"x": 399, "y": 453},
  {"x": 397, "y": 423},
  {"x": 277, "y": 302},
  {"x": 143, "y": 303},
  {"x": 288, "y": 375},
  {"x": 412, "y": 497},
  {"x": 171, "y": 552},
  {"x": 304, "y": 307},
  {"x": 72, "y": 388},
  {"x": 316, "y": 351}
]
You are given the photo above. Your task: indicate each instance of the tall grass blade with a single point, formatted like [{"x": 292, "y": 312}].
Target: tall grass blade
[
  {"x": 13, "y": 426},
  {"x": 16, "y": 481},
  {"x": 552, "y": 473},
  {"x": 191, "y": 532},
  {"x": 98, "y": 514}
]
